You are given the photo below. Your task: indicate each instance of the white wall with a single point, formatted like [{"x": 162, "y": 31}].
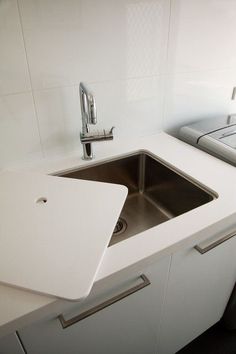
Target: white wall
[{"x": 152, "y": 64}]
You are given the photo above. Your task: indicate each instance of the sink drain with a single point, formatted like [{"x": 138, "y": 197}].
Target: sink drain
[{"x": 120, "y": 227}]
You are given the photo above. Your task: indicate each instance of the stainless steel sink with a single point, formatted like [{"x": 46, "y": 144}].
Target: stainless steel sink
[{"x": 156, "y": 194}]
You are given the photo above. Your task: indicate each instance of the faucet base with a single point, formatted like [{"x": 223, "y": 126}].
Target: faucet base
[{"x": 88, "y": 152}]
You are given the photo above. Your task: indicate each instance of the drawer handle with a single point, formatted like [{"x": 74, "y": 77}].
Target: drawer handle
[
  {"x": 215, "y": 243},
  {"x": 66, "y": 323}
]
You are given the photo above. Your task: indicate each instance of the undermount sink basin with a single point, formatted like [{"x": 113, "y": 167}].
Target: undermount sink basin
[{"x": 156, "y": 193}]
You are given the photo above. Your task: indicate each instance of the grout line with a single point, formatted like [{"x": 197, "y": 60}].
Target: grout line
[
  {"x": 168, "y": 36},
  {"x": 76, "y": 84},
  {"x": 164, "y": 108},
  {"x": 30, "y": 78},
  {"x": 15, "y": 93},
  {"x": 124, "y": 79}
]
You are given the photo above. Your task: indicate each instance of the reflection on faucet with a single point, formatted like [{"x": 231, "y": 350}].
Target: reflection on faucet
[{"x": 89, "y": 116}]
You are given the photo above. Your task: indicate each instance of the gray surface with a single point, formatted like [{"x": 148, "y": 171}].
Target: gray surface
[
  {"x": 215, "y": 136},
  {"x": 11, "y": 345},
  {"x": 192, "y": 132}
]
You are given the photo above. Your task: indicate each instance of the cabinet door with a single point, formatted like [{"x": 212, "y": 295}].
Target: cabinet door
[
  {"x": 198, "y": 290},
  {"x": 127, "y": 326},
  {"x": 11, "y": 345}
]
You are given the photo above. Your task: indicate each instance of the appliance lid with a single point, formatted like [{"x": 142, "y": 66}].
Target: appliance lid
[
  {"x": 226, "y": 136},
  {"x": 193, "y": 132}
]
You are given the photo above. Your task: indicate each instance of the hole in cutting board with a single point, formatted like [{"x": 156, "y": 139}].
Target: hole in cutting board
[{"x": 41, "y": 200}]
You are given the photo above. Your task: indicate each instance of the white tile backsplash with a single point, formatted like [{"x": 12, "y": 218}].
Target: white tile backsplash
[
  {"x": 133, "y": 106},
  {"x": 19, "y": 137},
  {"x": 152, "y": 64},
  {"x": 124, "y": 104},
  {"x": 14, "y": 76},
  {"x": 202, "y": 35},
  {"x": 58, "y": 112},
  {"x": 190, "y": 96},
  {"x": 146, "y": 34},
  {"x": 94, "y": 40}
]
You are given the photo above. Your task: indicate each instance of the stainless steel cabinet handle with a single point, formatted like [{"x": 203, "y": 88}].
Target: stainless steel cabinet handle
[
  {"x": 66, "y": 323},
  {"x": 215, "y": 244}
]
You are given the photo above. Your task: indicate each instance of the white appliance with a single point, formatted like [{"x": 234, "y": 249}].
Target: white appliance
[{"x": 217, "y": 136}]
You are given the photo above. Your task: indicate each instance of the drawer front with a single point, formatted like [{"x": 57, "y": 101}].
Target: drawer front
[
  {"x": 199, "y": 287},
  {"x": 128, "y": 325}
]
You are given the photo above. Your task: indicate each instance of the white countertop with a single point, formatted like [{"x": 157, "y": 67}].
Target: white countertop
[{"x": 19, "y": 308}]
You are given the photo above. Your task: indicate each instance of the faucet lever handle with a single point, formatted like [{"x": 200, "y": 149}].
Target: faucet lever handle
[
  {"x": 111, "y": 130},
  {"x": 92, "y": 110}
]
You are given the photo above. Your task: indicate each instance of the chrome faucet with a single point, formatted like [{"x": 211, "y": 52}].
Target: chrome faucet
[{"x": 89, "y": 116}]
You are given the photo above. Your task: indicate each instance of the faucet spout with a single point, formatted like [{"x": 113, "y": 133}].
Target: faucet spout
[
  {"x": 89, "y": 116},
  {"x": 88, "y": 107}
]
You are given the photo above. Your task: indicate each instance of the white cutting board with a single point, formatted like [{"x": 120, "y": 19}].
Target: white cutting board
[{"x": 54, "y": 231}]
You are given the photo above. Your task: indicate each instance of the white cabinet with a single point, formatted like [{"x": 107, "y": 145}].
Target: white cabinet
[
  {"x": 198, "y": 290},
  {"x": 11, "y": 345},
  {"x": 127, "y": 326},
  {"x": 182, "y": 301}
]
